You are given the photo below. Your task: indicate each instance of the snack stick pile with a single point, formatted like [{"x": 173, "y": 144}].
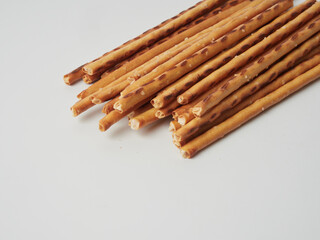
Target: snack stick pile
[{"x": 211, "y": 68}]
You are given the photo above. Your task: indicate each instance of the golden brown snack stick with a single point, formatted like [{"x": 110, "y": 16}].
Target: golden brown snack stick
[
  {"x": 139, "y": 110},
  {"x": 230, "y": 102},
  {"x": 88, "y": 79},
  {"x": 248, "y": 55},
  {"x": 196, "y": 59},
  {"x": 79, "y": 71},
  {"x": 254, "y": 68},
  {"x": 166, "y": 111},
  {"x": 123, "y": 52},
  {"x": 121, "y": 83},
  {"x": 215, "y": 32},
  {"x": 217, "y": 132},
  {"x": 143, "y": 119},
  {"x": 108, "y": 92},
  {"x": 291, "y": 59},
  {"x": 174, "y": 126},
  {"x": 114, "y": 116},
  {"x": 108, "y": 107},
  {"x": 81, "y": 106},
  {"x": 172, "y": 91},
  {"x": 74, "y": 76},
  {"x": 314, "y": 52},
  {"x": 191, "y": 29},
  {"x": 299, "y": 69}
]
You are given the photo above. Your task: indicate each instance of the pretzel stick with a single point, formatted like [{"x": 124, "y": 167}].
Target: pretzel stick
[
  {"x": 73, "y": 76},
  {"x": 217, "y": 132},
  {"x": 140, "y": 43},
  {"x": 108, "y": 107},
  {"x": 291, "y": 59},
  {"x": 215, "y": 32},
  {"x": 77, "y": 74},
  {"x": 196, "y": 59},
  {"x": 124, "y": 81},
  {"x": 143, "y": 119},
  {"x": 314, "y": 52},
  {"x": 81, "y": 106},
  {"x": 257, "y": 66},
  {"x": 164, "y": 112},
  {"x": 114, "y": 116},
  {"x": 193, "y": 126},
  {"x": 172, "y": 91},
  {"x": 191, "y": 29},
  {"x": 248, "y": 55},
  {"x": 174, "y": 126},
  {"x": 139, "y": 110},
  {"x": 88, "y": 79},
  {"x": 120, "y": 84}
]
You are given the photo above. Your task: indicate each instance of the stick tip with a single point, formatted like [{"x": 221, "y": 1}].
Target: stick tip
[
  {"x": 134, "y": 124},
  {"x": 185, "y": 154}
]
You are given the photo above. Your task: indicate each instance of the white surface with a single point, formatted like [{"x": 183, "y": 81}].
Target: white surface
[{"x": 60, "y": 178}]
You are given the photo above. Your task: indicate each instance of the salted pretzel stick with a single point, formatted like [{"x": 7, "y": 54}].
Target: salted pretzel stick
[
  {"x": 114, "y": 116},
  {"x": 174, "y": 126},
  {"x": 272, "y": 73},
  {"x": 139, "y": 110},
  {"x": 77, "y": 74},
  {"x": 248, "y": 55},
  {"x": 74, "y": 76},
  {"x": 172, "y": 91},
  {"x": 143, "y": 119},
  {"x": 183, "y": 114},
  {"x": 234, "y": 99},
  {"x": 217, "y": 132},
  {"x": 314, "y": 52},
  {"x": 194, "y": 125},
  {"x": 149, "y": 67},
  {"x": 140, "y": 43},
  {"x": 108, "y": 107},
  {"x": 120, "y": 84},
  {"x": 153, "y": 85},
  {"x": 215, "y": 32},
  {"x": 186, "y": 32},
  {"x": 88, "y": 79},
  {"x": 166, "y": 111},
  {"x": 257, "y": 66},
  {"x": 81, "y": 106}
]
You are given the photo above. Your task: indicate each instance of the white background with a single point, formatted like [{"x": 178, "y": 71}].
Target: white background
[{"x": 60, "y": 178}]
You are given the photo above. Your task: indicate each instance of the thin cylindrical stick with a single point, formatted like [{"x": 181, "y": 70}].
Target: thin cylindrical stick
[
  {"x": 217, "y": 132},
  {"x": 174, "y": 126},
  {"x": 186, "y": 32},
  {"x": 139, "y": 110},
  {"x": 81, "y": 106},
  {"x": 314, "y": 52},
  {"x": 74, "y": 76},
  {"x": 114, "y": 57},
  {"x": 172, "y": 91},
  {"x": 143, "y": 119},
  {"x": 290, "y": 60},
  {"x": 166, "y": 111},
  {"x": 114, "y": 116},
  {"x": 248, "y": 55},
  {"x": 196, "y": 59},
  {"x": 108, "y": 107},
  {"x": 233, "y": 100},
  {"x": 254, "y": 68},
  {"x": 88, "y": 79},
  {"x": 216, "y": 31}
]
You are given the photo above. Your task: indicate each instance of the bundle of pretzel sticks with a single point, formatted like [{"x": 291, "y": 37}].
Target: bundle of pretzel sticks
[{"x": 212, "y": 68}]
